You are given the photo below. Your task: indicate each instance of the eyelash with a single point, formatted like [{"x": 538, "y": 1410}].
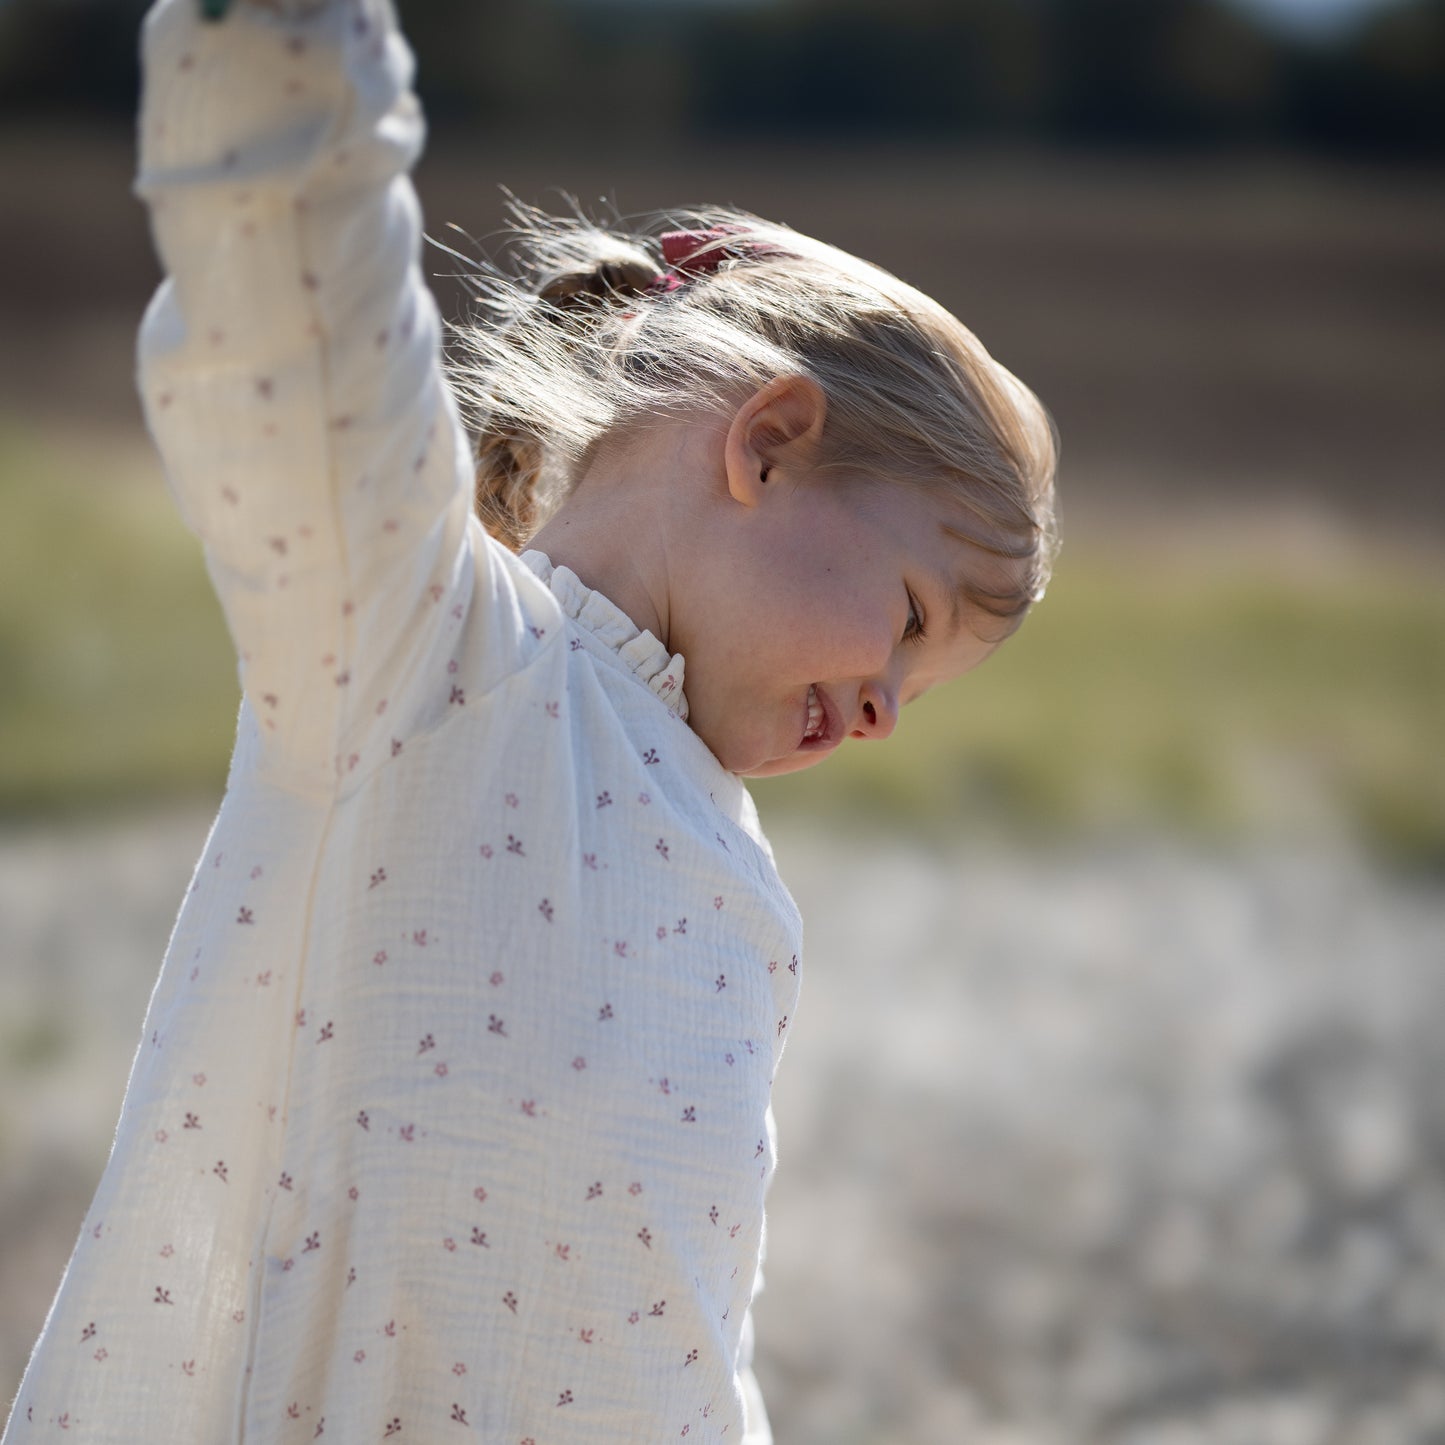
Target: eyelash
[{"x": 913, "y": 631}]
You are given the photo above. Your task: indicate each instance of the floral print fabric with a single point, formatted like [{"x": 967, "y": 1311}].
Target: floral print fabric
[{"x": 451, "y": 1117}]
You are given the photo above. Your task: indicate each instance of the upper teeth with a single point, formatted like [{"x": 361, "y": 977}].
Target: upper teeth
[{"x": 815, "y": 715}]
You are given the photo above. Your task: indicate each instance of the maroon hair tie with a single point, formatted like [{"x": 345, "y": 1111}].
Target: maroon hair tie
[{"x": 689, "y": 254}]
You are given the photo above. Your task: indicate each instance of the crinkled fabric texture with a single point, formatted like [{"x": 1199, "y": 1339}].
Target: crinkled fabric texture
[{"x": 451, "y": 1114}]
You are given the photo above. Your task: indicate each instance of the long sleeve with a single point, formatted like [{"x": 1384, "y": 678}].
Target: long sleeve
[{"x": 290, "y": 365}]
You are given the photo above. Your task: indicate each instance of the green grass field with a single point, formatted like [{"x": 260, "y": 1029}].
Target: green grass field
[{"x": 1188, "y": 684}]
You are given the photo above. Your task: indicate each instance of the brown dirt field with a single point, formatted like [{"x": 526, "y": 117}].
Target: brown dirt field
[{"x": 1207, "y": 334}]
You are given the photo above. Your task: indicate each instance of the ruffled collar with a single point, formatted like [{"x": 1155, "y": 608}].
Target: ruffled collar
[{"x": 638, "y": 651}]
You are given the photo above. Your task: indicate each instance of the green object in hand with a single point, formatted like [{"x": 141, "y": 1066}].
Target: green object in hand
[{"x": 214, "y": 9}]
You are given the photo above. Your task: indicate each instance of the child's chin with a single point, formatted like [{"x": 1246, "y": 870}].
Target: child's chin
[{"x": 793, "y": 763}]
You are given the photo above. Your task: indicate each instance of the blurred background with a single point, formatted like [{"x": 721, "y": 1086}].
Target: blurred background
[{"x": 1148, "y": 912}]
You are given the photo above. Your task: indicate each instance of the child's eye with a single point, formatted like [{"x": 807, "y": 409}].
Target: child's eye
[{"x": 913, "y": 629}]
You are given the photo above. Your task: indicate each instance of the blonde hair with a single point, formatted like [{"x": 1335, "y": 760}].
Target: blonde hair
[{"x": 580, "y": 338}]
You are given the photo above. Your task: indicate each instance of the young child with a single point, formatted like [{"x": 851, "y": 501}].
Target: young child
[{"x": 451, "y": 1115}]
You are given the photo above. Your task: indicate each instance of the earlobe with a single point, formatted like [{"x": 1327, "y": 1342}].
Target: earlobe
[{"x": 778, "y": 427}]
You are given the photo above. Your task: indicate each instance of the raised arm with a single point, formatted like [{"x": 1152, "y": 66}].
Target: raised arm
[{"x": 290, "y": 362}]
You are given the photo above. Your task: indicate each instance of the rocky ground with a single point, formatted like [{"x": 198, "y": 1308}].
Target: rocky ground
[{"x": 1137, "y": 1144}]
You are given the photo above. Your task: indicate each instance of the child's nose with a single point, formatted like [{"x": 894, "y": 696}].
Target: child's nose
[{"x": 877, "y": 712}]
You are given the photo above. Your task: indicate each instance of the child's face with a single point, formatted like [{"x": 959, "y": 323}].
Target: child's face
[{"x": 823, "y": 610}]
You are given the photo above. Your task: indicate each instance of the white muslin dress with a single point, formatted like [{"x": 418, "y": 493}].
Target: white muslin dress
[{"x": 450, "y": 1120}]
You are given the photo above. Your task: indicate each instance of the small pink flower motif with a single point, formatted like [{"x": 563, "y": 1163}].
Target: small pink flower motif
[
  {"x": 256, "y": 872},
  {"x": 733, "y": 1230},
  {"x": 263, "y": 979},
  {"x": 192, "y": 1122},
  {"x": 389, "y": 1329},
  {"x": 545, "y": 909},
  {"x": 359, "y": 1356},
  {"x": 620, "y": 948},
  {"x": 452, "y": 665},
  {"x": 664, "y": 1086},
  {"x": 326, "y": 1032},
  {"x": 496, "y": 980},
  {"x": 605, "y": 1012},
  {"x": 510, "y": 1300},
  {"x": 459, "y": 1368},
  {"x": 589, "y": 860},
  {"x": 188, "y": 1367},
  {"x": 449, "y": 1244},
  {"x": 479, "y": 1237},
  {"x": 645, "y": 1235},
  {"x": 496, "y": 1025},
  {"x": 313, "y": 1242},
  {"x": 364, "y": 1119},
  {"x": 395, "y": 746},
  {"x": 64, "y": 1421},
  {"x": 634, "y": 1189},
  {"x": 167, "y": 1250},
  {"x": 458, "y": 697},
  {"x": 563, "y": 1252},
  {"x": 220, "y": 1171},
  {"x": 633, "y": 1317},
  {"x": 565, "y": 1398},
  {"x": 379, "y": 957},
  {"x": 245, "y": 916},
  {"x": 511, "y": 800},
  {"x": 459, "y": 1415},
  {"x": 585, "y": 1336},
  {"x": 551, "y": 709},
  {"x": 772, "y": 965},
  {"x": 661, "y": 932},
  {"x": 579, "y": 1063},
  {"x": 479, "y": 1194},
  {"x": 199, "y": 1080},
  {"x": 441, "y": 1070},
  {"x": 418, "y": 937},
  {"x": 239, "y": 1316},
  {"x": 353, "y": 1193},
  {"x": 717, "y": 901},
  {"x": 486, "y": 850},
  {"x": 529, "y": 1108},
  {"x": 408, "y": 1132},
  {"x": 644, "y": 798},
  {"x": 288, "y": 1264}
]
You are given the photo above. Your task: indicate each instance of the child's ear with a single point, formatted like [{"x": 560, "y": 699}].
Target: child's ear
[{"x": 777, "y": 429}]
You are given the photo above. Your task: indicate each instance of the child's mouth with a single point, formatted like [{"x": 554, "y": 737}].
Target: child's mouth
[{"x": 815, "y": 730}]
